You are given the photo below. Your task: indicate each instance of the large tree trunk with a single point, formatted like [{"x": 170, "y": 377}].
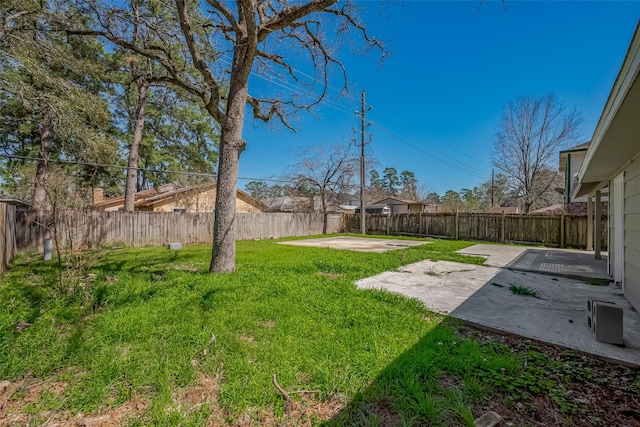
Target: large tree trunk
[
  {"x": 39, "y": 202},
  {"x": 132, "y": 170},
  {"x": 223, "y": 256},
  {"x": 324, "y": 212}
]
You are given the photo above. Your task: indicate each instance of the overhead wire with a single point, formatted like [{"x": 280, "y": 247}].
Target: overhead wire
[
  {"x": 456, "y": 164},
  {"x": 106, "y": 165},
  {"x": 434, "y": 147},
  {"x": 421, "y": 150},
  {"x": 273, "y": 79}
]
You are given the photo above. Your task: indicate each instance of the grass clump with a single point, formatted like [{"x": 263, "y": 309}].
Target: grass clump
[{"x": 523, "y": 290}]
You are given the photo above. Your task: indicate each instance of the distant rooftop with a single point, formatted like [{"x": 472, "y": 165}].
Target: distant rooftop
[{"x": 583, "y": 146}]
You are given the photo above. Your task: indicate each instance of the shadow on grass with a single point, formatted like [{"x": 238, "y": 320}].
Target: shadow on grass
[{"x": 435, "y": 383}]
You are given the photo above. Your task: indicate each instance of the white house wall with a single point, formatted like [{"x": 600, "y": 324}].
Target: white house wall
[
  {"x": 632, "y": 233},
  {"x": 611, "y": 253}
]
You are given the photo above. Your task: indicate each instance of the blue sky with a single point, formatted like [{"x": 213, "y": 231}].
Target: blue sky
[{"x": 436, "y": 100}]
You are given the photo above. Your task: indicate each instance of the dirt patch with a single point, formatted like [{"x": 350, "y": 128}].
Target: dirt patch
[
  {"x": 246, "y": 338},
  {"x": 598, "y": 392},
  {"x": 450, "y": 381},
  {"x": 207, "y": 390},
  {"x": 270, "y": 324},
  {"x": 15, "y": 397},
  {"x": 111, "y": 417},
  {"x": 303, "y": 413},
  {"x": 332, "y": 276},
  {"x": 383, "y": 409}
]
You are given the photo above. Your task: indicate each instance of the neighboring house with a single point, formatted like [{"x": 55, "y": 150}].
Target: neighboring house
[
  {"x": 613, "y": 161},
  {"x": 168, "y": 198},
  {"x": 10, "y": 200},
  {"x": 549, "y": 210},
  {"x": 392, "y": 205},
  {"x": 507, "y": 210},
  {"x": 289, "y": 204},
  {"x": 304, "y": 204},
  {"x": 571, "y": 160}
]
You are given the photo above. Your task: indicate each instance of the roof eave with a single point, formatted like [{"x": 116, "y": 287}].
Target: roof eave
[{"x": 625, "y": 81}]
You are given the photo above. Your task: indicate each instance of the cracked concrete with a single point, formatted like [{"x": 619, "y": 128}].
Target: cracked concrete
[
  {"x": 558, "y": 316},
  {"x": 359, "y": 244},
  {"x": 481, "y": 295}
]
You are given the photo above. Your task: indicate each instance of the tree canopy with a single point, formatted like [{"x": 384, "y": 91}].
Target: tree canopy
[{"x": 224, "y": 48}]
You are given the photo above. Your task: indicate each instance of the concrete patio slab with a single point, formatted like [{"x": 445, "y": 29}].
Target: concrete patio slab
[
  {"x": 496, "y": 255},
  {"x": 359, "y": 244},
  {"x": 481, "y": 295},
  {"x": 562, "y": 262}
]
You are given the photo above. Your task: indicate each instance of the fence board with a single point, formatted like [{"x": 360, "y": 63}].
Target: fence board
[
  {"x": 543, "y": 230},
  {"x": 90, "y": 229}
]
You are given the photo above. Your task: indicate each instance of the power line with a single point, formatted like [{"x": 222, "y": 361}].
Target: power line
[
  {"x": 398, "y": 124},
  {"x": 104, "y": 165},
  {"x": 421, "y": 150},
  {"x": 461, "y": 166},
  {"x": 294, "y": 88},
  {"x": 327, "y": 102}
]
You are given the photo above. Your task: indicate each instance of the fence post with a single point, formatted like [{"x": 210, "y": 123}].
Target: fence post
[
  {"x": 562, "y": 229},
  {"x": 502, "y": 226},
  {"x": 457, "y": 232},
  {"x": 420, "y": 224},
  {"x": 387, "y": 222}
]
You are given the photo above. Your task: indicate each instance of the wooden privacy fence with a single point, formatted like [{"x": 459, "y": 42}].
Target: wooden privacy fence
[
  {"x": 73, "y": 229},
  {"x": 7, "y": 235},
  {"x": 559, "y": 230}
]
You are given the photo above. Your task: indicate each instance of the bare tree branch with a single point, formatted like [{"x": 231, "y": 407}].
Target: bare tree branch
[
  {"x": 198, "y": 61},
  {"x": 529, "y": 135}
]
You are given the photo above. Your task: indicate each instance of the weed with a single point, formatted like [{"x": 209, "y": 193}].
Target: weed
[
  {"x": 523, "y": 290},
  {"x": 498, "y": 285}
]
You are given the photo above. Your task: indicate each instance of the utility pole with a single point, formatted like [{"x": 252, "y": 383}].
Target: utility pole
[{"x": 364, "y": 124}]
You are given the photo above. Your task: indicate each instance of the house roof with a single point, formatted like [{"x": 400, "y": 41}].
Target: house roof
[
  {"x": 581, "y": 147},
  {"x": 106, "y": 203},
  {"x": 10, "y": 200},
  {"x": 548, "y": 210},
  {"x": 564, "y": 154},
  {"x": 509, "y": 210},
  {"x": 286, "y": 203},
  {"x": 614, "y": 141},
  {"x": 400, "y": 201},
  {"x": 173, "y": 192},
  {"x": 291, "y": 203},
  {"x": 152, "y": 197}
]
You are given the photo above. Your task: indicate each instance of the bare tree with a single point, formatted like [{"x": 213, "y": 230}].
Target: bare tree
[
  {"x": 234, "y": 40},
  {"x": 329, "y": 171},
  {"x": 531, "y": 131}
]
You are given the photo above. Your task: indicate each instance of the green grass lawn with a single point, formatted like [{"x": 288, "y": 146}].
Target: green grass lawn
[{"x": 151, "y": 323}]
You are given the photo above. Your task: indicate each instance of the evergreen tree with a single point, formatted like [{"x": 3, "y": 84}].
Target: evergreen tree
[{"x": 52, "y": 100}]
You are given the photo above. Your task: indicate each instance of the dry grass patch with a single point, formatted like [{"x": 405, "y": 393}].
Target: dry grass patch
[{"x": 332, "y": 276}]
